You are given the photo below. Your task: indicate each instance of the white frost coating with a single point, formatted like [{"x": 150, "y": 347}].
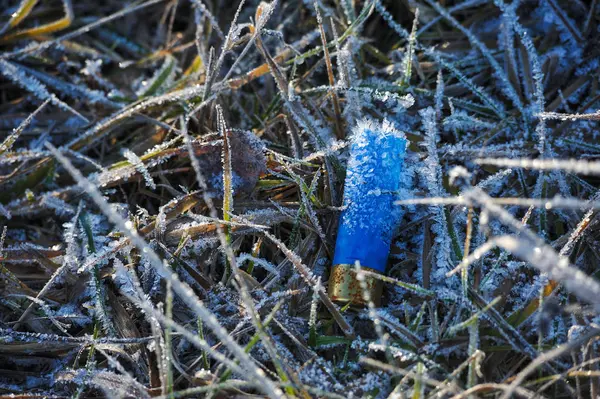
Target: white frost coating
[
  {"x": 138, "y": 164},
  {"x": 357, "y": 217}
]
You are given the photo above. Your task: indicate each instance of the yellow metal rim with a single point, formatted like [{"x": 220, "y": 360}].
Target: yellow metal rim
[{"x": 344, "y": 287}]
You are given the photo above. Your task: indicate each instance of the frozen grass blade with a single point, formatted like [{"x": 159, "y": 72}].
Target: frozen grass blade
[
  {"x": 409, "y": 54},
  {"x": 227, "y": 178},
  {"x": 568, "y": 165},
  {"x": 10, "y": 140}
]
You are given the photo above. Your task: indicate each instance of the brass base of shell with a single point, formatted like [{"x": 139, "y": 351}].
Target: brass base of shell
[{"x": 344, "y": 286}]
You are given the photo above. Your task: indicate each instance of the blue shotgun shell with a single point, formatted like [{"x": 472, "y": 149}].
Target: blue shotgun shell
[{"x": 367, "y": 223}]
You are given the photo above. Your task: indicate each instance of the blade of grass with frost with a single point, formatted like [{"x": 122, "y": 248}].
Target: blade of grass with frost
[
  {"x": 169, "y": 339},
  {"x": 161, "y": 78},
  {"x": 227, "y": 181},
  {"x": 89, "y": 365},
  {"x": 495, "y": 106},
  {"x": 547, "y": 203},
  {"x": 262, "y": 16},
  {"x": 47, "y": 312},
  {"x": 256, "y": 261},
  {"x": 458, "y": 7},
  {"x": 205, "y": 361},
  {"x": 568, "y": 165},
  {"x": 419, "y": 386},
  {"x": 348, "y": 6},
  {"x": 432, "y": 174},
  {"x": 577, "y": 233},
  {"x": 451, "y": 332},
  {"x": 168, "y": 40},
  {"x": 123, "y": 43},
  {"x": 200, "y": 61},
  {"x": 76, "y": 91},
  {"x": 184, "y": 292},
  {"x": 306, "y": 207},
  {"x": 565, "y": 20},
  {"x": 460, "y": 119},
  {"x": 512, "y": 336},
  {"x": 199, "y": 5},
  {"x": 409, "y": 53},
  {"x": 85, "y": 340},
  {"x": 312, "y": 319},
  {"x": 594, "y": 148},
  {"x": 507, "y": 42},
  {"x": 415, "y": 289},
  {"x": 10, "y": 140},
  {"x": 35, "y": 87},
  {"x": 5, "y": 212},
  {"x": 342, "y": 73},
  {"x": 138, "y": 164},
  {"x": 377, "y": 93},
  {"x": 211, "y": 72},
  {"x": 399, "y": 328},
  {"x": 474, "y": 340},
  {"x": 99, "y": 294},
  {"x": 536, "y": 66},
  {"x": 439, "y": 95}
]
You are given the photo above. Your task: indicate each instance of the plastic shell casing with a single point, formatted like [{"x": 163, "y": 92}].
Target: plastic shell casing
[{"x": 369, "y": 218}]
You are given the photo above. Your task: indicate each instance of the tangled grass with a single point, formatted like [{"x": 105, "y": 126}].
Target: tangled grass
[{"x": 172, "y": 176}]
